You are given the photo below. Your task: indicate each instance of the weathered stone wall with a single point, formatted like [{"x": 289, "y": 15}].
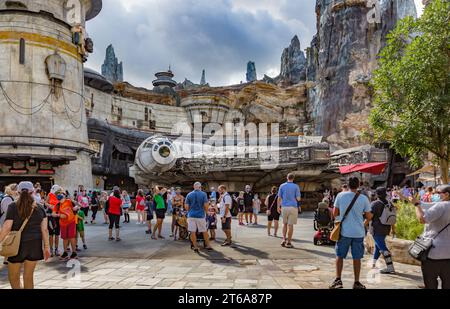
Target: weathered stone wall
[
  {"x": 133, "y": 111},
  {"x": 344, "y": 54}
]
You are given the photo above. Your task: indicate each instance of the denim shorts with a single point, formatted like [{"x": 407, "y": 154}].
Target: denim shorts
[{"x": 344, "y": 244}]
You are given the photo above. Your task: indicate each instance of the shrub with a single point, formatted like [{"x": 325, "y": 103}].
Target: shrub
[{"x": 407, "y": 227}]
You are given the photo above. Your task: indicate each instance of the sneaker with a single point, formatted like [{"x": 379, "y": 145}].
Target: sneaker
[
  {"x": 57, "y": 252},
  {"x": 118, "y": 239},
  {"x": 52, "y": 253},
  {"x": 84, "y": 247},
  {"x": 283, "y": 243},
  {"x": 171, "y": 235},
  {"x": 78, "y": 249},
  {"x": 358, "y": 286},
  {"x": 137, "y": 223},
  {"x": 74, "y": 256},
  {"x": 64, "y": 256},
  {"x": 289, "y": 245},
  {"x": 161, "y": 237},
  {"x": 148, "y": 232},
  {"x": 226, "y": 244},
  {"x": 111, "y": 238},
  {"x": 387, "y": 271},
  {"x": 337, "y": 284}
]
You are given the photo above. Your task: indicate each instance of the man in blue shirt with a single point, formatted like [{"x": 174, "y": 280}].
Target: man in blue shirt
[
  {"x": 353, "y": 230},
  {"x": 288, "y": 199},
  {"x": 197, "y": 205}
]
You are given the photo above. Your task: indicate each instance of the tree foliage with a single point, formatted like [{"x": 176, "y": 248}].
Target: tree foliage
[{"x": 411, "y": 86}]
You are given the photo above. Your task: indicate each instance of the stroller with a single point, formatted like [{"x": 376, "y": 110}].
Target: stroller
[
  {"x": 323, "y": 224},
  {"x": 182, "y": 225}
]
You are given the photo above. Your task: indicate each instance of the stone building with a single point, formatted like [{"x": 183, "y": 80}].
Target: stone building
[{"x": 43, "y": 132}]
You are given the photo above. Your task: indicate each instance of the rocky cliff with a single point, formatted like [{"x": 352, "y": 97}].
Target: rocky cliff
[
  {"x": 111, "y": 68},
  {"x": 293, "y": 64},
  {"x": 341, "y": 59}
]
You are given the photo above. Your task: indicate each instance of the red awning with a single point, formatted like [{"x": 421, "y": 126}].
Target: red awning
[{"x": 370, "y": 168}]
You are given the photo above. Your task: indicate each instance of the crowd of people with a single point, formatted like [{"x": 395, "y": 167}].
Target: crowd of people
[{"x": 44, "y": 219}]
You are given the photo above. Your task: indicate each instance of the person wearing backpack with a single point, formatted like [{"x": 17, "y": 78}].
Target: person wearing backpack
[{"x": 384, "y": 217}]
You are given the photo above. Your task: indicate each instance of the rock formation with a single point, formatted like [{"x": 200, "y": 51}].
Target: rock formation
[
  {"x": 251, "y": 72},
  {"x": 293, "y": 64},
  {"x": 341, "y": 59},
  {"x": 203, "y": 79},
  {"x": 111, "y": 68}
]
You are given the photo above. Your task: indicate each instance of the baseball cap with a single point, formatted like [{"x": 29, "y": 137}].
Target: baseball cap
[{"x": 25, "y": 185}]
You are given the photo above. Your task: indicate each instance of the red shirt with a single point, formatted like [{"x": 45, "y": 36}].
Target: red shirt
[
  {"x": 115, "y": 204},
  {"x": 140, "y": 203}
]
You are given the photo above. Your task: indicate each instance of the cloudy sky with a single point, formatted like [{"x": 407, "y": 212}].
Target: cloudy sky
[{"x": 220, "y": 36}]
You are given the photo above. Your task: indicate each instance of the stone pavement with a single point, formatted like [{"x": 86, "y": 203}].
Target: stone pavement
[{"x": 255, "y": 262}]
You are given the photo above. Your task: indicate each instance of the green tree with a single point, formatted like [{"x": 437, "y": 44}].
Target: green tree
[{"x": 411, "y": 88}]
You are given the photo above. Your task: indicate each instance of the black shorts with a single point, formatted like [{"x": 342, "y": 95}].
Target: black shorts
[
  {"x": 160, "y": 213},
  {"x": 149, "y": 215},
  {"x": 248, "y": 209},
  {"x": 274, "y": 215},
  {"x": 53, "y": 227},
  {"x": 227, "y": 224},
  {"x": 241, "y": 208},
  {"x": 30, "y": 250}
]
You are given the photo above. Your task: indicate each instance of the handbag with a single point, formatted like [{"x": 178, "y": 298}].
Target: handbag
[
  {"x": 336, "y": 232},
  {"x": 421, "y": 247},
  {"x": 11, "y": 244}
]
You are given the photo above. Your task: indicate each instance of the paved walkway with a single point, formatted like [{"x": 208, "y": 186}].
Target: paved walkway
[{"x": 256, "y": 261}]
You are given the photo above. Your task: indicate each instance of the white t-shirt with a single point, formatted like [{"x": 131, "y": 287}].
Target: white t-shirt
[{"x": 226, "y": 200}]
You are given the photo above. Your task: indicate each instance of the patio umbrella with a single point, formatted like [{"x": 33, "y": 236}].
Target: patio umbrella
[{"x": 375, "y": 168}]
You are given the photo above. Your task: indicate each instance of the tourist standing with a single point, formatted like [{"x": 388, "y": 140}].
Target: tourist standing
[
  {"x": 273, "y": 216},
  {"x": 197, "y": 204},
  {"x": 149, "y": 209},
  {"x": 140, "y": 206},
  {"x": 211, "y": 221},
  {"x": 102, "y": 206},
  {"x": 248, "y": 204},
  {"x": 80, "y": 228},
  {"x": 350, "y": 208},
  {"x": 160, "y": 210},
  {"x": 114, "y": 210},
  {"x": 94, "y": 206},
  {"x": 34, "y": 244},
  {"x": 65, "y": 211},
  {"x": 177, "y": 205},
  {"x": 241, "y": 207},
  {"x": 256, "y": 208},
  {"x": 289, "y": 197},
  {"x": 225, "y": 213},
  {"x": 126, "y": 204},
  {"x": 54, "y": 228},
  {"x": 437, "y": 226},
  {"x": 10, "y": 196},
  {"x": 379, "y": 231},
  {"x": 83, "y": 201}
]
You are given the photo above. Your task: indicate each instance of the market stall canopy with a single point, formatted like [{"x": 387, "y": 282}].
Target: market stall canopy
[
  {"x": 426, "y": 169},
  {"x": 376, "y": 168}
]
